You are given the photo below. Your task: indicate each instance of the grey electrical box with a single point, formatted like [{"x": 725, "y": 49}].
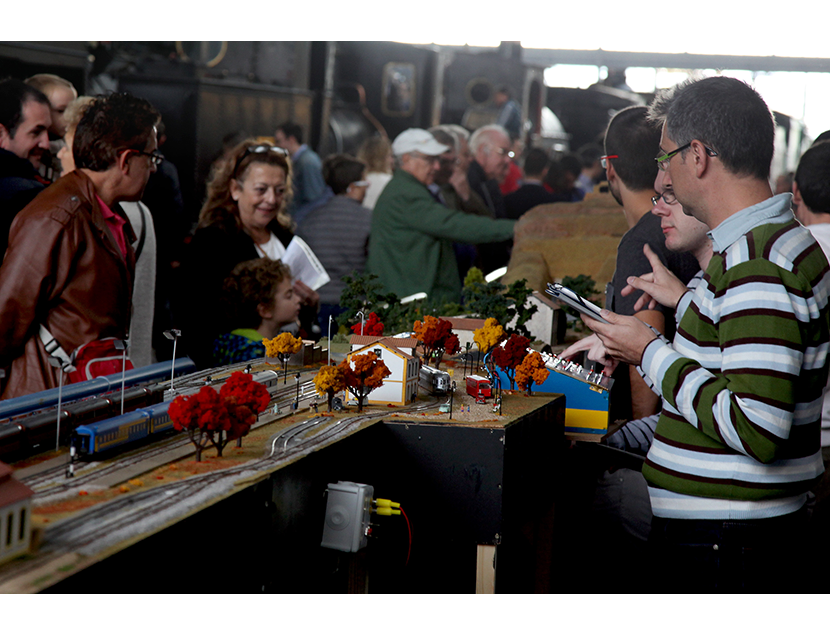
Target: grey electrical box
[{"x": 348, "y": 509}]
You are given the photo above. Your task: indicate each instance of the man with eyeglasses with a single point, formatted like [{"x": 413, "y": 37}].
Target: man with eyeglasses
[
  {"x": 736, "y": 449},
  {"x": 70, "y": 264},
  {"x": 410, "y": 247},
  {"x": 631, "y": 141}
]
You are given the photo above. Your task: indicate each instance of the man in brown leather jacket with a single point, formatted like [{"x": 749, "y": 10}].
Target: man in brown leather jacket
[{"x": 69, "y": 265}]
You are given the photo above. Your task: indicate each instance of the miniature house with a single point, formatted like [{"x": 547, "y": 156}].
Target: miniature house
[
  {"x": 405, "y": 344},
  {"x": 464, "y": 328},
  {"x": 15, "y": 515},
  {"x": 548, "y": 323},
  {"x": 401, "y": 386}
]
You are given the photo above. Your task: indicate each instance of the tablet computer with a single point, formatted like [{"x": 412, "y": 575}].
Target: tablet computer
[{"x": 575, "y": 301}]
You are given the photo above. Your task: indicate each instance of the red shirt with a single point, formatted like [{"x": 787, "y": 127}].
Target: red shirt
[
  {"x": 511, "y": 181},
  {"x": 115, "y": 224}
]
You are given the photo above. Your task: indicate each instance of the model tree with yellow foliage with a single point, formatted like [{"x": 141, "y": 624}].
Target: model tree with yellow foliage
[
  {"x": 365, "y": 373},
  {"x": 531, "y": 371},
  {"x": 329, "y": 381},
  {"x": 282, "y": 347},
  {"x": 488, "y": 336}
]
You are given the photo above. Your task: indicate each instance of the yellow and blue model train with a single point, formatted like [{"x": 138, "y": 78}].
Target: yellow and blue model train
[{"x": 97, "y": 438}]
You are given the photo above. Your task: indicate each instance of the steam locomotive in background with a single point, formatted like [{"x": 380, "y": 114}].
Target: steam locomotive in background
[{"x": 210, "y": 93}]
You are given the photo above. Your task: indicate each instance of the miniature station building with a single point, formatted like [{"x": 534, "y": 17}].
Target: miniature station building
[
  {"x": 398, "y": 353},
  {"x": 15, "y": 515}
]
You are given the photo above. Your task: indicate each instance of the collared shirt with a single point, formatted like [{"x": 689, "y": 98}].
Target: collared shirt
[
  {"x": 777, "y": 209},
  {"x": 116, "y": 225}
]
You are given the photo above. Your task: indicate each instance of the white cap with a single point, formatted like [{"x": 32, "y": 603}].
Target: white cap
[{"x": 417, "y": 140}]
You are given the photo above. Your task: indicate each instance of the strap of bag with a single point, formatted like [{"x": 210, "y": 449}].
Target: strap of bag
[{"x": 54, "y": 349}]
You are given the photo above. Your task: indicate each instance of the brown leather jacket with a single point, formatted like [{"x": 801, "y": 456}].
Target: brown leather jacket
[{"x": 63, "y": 269}]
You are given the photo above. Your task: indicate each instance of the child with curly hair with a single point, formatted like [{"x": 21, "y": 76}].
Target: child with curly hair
[{"x": 259, "y": 300}]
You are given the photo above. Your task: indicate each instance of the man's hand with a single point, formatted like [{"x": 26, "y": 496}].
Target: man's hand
[
  {"x": 625, "y": 337},
  {"x": 596, "y": 352},
  {"x": 660, "y": 286},
  {"x": 308, "y": 296}
]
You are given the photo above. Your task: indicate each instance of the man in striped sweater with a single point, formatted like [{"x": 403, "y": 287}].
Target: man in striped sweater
[{"x": 736, "y": 448}]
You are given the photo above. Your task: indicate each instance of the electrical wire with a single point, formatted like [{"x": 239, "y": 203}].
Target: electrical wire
[{"x": 409, "y": 531}]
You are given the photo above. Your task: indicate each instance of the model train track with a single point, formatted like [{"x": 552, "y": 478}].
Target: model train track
[
  {"x": 44, "y": 483},
  {"x": 121, "y": 518}
]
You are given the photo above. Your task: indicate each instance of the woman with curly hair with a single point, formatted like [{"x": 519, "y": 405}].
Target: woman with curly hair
[{"x": 243, "y": 218}]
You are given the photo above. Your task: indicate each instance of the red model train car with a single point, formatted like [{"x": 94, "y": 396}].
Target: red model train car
[{"x": 479, "y": 387}]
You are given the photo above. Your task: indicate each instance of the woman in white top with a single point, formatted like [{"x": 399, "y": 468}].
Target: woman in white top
[
  {"x": 376, "y": 153},
  {"x": 243, "y": 218}
]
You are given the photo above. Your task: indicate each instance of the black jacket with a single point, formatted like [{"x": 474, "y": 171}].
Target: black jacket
[
  {"x": 210, "y": 257},
  {"x": 19, "y": 184}
]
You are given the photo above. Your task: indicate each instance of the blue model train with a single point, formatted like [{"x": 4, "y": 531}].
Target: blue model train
[
  {"x": 84, "y": 402},
  {"x": 92, "y": 439},
  {"x": 97, "y": 386}
]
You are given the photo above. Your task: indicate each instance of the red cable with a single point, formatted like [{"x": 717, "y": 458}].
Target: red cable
[{"x": 409, "y": 530}]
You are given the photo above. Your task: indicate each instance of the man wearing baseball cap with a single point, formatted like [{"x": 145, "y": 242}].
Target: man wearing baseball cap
[{"x": 410, "y": 247}]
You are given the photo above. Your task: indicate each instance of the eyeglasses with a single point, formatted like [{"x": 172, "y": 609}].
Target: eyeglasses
[
  {"x": 664, "y": 159},
  {"x": 668, "y": 197},
  {"x": 603, "y": 161},
  {"x": 504, "y": 151},
  {"x": 425, "y": 157},
  {"x": 263, "y": 149},
  {"x": 155, "y": 157}
]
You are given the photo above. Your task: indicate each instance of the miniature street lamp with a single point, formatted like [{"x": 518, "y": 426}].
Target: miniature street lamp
[
  {"x": 57, "y": 362},
  {"x": 452, "y": 392},
  {"x": 297, "y": 401},
  {"x": 173, "y": 334},
  {"x": 329, "y": 342},
  {"x": 121, "y": 345},
  {"x": 360, "y": 313},
  {"x": 467, "y": 356}
]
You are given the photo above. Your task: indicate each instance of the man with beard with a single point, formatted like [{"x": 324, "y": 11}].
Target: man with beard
[
  {"x": 631, "y": 143},
  {"x": 25, "y": 117}
]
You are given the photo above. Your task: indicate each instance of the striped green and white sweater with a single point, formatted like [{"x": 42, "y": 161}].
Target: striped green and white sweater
[{"x": 742, "y": 382}]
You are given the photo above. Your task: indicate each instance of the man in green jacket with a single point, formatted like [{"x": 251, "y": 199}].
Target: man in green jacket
[{"x": 410, "y": 247}]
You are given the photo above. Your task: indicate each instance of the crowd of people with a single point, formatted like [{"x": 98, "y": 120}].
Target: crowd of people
[
  {"x": 717, "y": 315},
  {"x": 417, "y": 211}
]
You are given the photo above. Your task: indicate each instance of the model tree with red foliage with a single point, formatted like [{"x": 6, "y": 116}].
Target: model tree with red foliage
[
  {"x": 509, "y": 356},
  {"x": 366, "y": 374},
  {"x": 372, "y": 326},
  {"x": 244, "y": 399},
  {"x": 212, "y": 417},
  {"x": 531, "y": 371},
  {"x": 436, "y": 338}
]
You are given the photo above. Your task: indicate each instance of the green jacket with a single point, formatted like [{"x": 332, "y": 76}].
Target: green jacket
[{"x": 410, "y": 247}]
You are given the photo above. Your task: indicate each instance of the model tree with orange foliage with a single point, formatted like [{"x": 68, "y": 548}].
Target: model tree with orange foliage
[
  {"x": 329, "y": 381},
  {"x": 531, "y": 371},
  {"x": 488, "y": 336},
  {"x": 282, "y": 347},
  {"x": 365, "y": 373},
  {"x": 436, "y": 338},
  {"x": 509, "y": 356}
]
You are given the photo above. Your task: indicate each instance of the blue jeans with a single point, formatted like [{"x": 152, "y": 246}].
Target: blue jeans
[{"x": 731, "y": 556}]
